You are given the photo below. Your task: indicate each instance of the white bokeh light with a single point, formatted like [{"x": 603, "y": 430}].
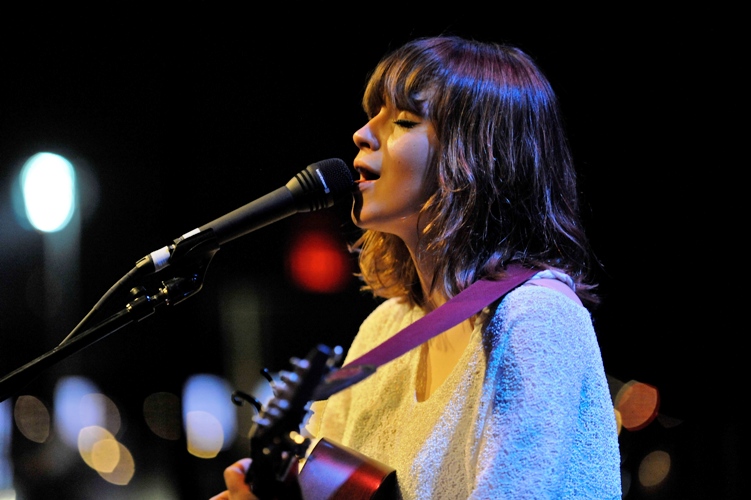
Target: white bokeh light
[
  {"x": 48, "y": 183},
  {"x": 208, "y": 414}
]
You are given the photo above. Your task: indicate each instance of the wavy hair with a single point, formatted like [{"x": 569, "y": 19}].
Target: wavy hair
[{"x": 505, "y": 183}]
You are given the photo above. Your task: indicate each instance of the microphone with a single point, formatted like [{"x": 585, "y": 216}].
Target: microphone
[{"x": 319, "y": 185}]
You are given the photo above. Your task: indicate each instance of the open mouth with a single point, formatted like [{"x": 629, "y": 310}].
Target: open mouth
[{"x": 367, "y": 175}]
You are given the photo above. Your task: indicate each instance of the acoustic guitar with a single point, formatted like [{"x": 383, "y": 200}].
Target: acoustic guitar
[{"x": 331, "y": 471}]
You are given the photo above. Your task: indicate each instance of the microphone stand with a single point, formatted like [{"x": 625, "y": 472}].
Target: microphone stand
[{"x": 190, "y": 257}]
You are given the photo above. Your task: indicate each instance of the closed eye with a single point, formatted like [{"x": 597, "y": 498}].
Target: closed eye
[{"x": 405, "y": 123}]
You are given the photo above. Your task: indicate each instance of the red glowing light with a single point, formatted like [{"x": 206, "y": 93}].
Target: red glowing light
[{"x": 317, "y": 262}]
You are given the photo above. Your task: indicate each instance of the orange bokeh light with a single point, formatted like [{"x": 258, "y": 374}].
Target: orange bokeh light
[{"x": 638, "y": 404}]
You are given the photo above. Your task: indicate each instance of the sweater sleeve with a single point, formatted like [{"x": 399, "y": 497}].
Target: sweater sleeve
[{"x": 549, "y": 411}]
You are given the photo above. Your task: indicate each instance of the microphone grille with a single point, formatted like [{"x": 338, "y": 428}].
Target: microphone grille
[
  {"x": 321, "y": 185},
  {"x": 337, "y": 176}
]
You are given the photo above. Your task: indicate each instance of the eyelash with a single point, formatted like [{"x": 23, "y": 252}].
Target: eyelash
[{"x": 405, "y": 123}]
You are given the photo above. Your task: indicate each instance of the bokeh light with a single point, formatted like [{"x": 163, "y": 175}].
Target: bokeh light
[
  {"x": 638, "y": 404},
  {"x": 32, "y": 418},
  {"x": 98, "y": 409},
  {"x": 618, "y": 420},
  {"x": 124, "y": 470},
  {"x": 205, "y": 435},
  {"x": 101, "y": 451},
  {"x": 317, "y": 262},
  {"x": 209, "y": 415},
  {"x": 161, "y": 411},
  {"x": 74, "y": 408},
  {"x": 6, "y": 432},
  {"x": 48, "y": 183},
  {"x": 654, "y": 468},
  {"x": 89, "y": 440}
]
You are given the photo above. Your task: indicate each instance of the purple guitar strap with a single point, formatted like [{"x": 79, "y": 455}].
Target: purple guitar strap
[{"x": 462, "y": 306}]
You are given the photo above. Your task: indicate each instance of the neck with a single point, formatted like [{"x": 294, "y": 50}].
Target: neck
[{"x": 425, "y": 271}]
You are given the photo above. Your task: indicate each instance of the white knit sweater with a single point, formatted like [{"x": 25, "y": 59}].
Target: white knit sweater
[{"x": 526, "y": 412}]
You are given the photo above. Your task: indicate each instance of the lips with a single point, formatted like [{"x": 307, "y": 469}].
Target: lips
[{"x": 366, "y": 174}]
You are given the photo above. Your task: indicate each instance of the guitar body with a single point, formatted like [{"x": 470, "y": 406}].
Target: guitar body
[{"x": 335, "y": 472}]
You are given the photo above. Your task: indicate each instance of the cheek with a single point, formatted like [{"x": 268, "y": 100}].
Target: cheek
[{"x": 412, "y": 157}]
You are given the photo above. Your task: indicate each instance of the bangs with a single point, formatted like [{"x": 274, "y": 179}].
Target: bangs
[{"x": 400, "y": 81}]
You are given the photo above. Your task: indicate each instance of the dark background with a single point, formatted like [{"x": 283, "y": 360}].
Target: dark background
[{"x": 174, "y": 120}]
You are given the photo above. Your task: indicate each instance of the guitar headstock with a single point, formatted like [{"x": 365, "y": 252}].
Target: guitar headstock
[{"x": 275, "y": 440}]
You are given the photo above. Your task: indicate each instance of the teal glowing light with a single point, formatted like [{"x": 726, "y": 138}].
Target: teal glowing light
[{"x": 48, "y": 183}]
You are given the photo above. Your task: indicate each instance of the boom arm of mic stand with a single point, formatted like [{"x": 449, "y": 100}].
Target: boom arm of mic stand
[{"x": 192, "y": 257}]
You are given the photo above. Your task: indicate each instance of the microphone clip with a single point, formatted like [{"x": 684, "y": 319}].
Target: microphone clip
[{"x": 190, "y": 260}]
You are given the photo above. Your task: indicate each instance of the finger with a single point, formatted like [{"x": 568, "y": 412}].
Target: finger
[
  {"x": 241, "y": 466},
  {"x": 235, "y": 473},
  {"x": 234, "y": 477}
]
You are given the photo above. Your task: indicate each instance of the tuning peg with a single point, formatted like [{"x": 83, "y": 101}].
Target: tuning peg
[
  {"x": 302, "y": 364},
  {"x": 335, "y": 357},
  {"x": 290, "y": 378},
  {"x": 282, "y": 404},
  {"x": 239, "y": 397},
  {"x": 274, "y": 412}
]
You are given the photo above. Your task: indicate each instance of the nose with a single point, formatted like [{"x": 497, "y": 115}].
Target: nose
[{"x": 365, "y": 138}]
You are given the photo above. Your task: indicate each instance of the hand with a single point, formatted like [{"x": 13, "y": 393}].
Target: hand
[{"x": 234, "y": 478}]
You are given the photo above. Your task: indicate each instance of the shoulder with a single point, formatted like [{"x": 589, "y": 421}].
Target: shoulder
[
  {"x": 535, "y": 315},
  {"x": 555, "y": 284},
  {"x": 541, "y": 333},
  {"x": 542, "y": 297}
]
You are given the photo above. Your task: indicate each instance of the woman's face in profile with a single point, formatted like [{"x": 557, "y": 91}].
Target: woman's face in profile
[{"x": 396, "y": 147}]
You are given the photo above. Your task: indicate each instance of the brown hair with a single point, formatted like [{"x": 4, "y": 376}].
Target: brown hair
[{"x": 505, "y": 180}]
